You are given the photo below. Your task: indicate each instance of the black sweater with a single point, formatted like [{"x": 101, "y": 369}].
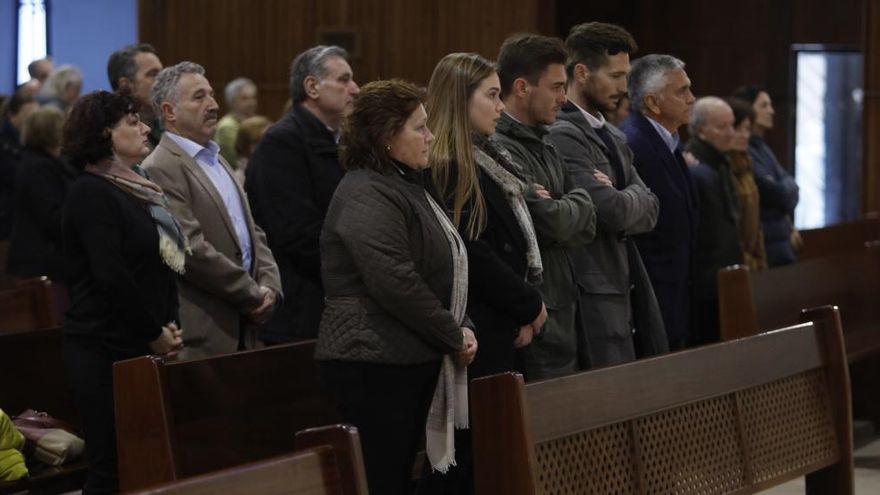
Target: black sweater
[{"x": 121, "y": 292}]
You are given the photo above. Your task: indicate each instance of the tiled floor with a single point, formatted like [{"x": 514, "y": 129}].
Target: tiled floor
[{"x": 867, "y": 460}]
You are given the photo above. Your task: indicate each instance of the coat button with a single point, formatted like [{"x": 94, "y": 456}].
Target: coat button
[{"x": 507, "y": 247}]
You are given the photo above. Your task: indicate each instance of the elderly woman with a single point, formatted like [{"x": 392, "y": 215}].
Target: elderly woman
[
  {"x": 751, "y": 236},
  {"x": 62, "y": 88},
  {"x": 485, "y": 193},
  {"x": 250, "y": 132},
  {"x": 123, "y": 251},
  {"x": 41, "y": 185},
  {"x": 395, "y": 276},
  {"x": 778, "y": 189}
]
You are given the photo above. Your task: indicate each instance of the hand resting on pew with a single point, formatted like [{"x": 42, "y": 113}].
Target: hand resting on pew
[{"x": 169, "y": 341}]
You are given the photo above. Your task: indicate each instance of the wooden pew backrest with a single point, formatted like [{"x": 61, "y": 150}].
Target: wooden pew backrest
[
  {"x": 837, "y": 239},
  {"x": 322, "y": 464},
  {"x": 30, "y": 305},
  {"x": 181, "y": 419},
  {"x": 752, "y": 302},
  {"x": 738, "y": 417}
]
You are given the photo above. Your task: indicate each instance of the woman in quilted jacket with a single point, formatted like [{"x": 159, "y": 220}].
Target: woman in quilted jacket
[{"x": 394, "y": 340}]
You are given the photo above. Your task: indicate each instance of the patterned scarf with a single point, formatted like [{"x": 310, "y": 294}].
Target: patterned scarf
[
  {"x": 449, "y": 407},
  {"x": 514, "y": 189},
  {"x": 173, "y": 245}
]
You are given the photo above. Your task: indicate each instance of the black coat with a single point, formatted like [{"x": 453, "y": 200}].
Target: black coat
[
  {"x": 41, "y": 186},
  {"x": 499, "y": 298},
  {"x": 668, "y": 249},
  {"x": 10, "y": 156},
  {"x": 718, "y": 241},
  {"x": 290, "y": 181}
]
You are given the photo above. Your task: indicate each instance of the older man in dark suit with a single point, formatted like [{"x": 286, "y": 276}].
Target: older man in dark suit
[
  {"x": 291, "y": 178},
  {"x": 231, "y": 280},
  {"x": 661, "y": 98}
]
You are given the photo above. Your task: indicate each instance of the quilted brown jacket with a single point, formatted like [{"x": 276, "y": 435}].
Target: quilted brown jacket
[{"x": 387, "y": 273}]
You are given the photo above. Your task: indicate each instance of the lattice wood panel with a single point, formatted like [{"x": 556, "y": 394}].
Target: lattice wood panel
[
  {"x": 692, "y": 449},
  {"x": 797, "y": 432},
  {"x": 593, "y": 462}
]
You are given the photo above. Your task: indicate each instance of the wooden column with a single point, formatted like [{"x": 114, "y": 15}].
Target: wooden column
[{"x": 871, "y": 108}]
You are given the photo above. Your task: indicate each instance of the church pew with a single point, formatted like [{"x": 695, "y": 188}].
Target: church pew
[
  {"x": 750, "y": 303},
  {"x": 29, "y": 305},
  {"x": 327, "y": 460},
  {"x": 735, "y": 417},
  {"x": 32, "y": 368},
  {"x": 180, "y": 419},
  {"x": 836, "y": 239}
]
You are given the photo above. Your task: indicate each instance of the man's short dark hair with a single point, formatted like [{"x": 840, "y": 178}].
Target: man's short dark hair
[
  {"x": 527, "y": 56},
  {"x": 591, "y": 43},
  {"x": 122, "y": 64},
  {"x": 13, "y": 104}
]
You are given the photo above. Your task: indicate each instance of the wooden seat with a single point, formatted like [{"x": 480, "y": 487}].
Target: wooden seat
[
  {"x": 837, "y": 239},
  {"x": 29, "y": 305},
  {"x": 735, "y": 417},
  {"x": 180, "y": 419},
  {"x": 327, "y": 461}
]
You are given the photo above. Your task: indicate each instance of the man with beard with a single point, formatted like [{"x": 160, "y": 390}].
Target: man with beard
[
  {"x": 231, "y": 280},
  {"x": 532, "y": 73},
  {"x": 618, "y": 307}
]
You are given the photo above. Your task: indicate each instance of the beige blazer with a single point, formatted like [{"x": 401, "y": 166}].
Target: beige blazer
[{"x": 216, "y": 291}]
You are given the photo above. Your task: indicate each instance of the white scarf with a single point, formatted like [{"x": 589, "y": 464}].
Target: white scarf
[{"x": 449, "y": 407}]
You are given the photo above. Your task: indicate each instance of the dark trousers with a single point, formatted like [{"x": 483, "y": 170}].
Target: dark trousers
[
  {"x": 89, "y": 369},
  {"x": 459, "y": 480},
  {"x": 389, "y": 406}
]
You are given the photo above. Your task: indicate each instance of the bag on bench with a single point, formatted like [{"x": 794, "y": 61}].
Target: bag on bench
[{"x": 48, "y": 440}]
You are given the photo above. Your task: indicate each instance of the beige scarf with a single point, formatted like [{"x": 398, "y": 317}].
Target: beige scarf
[{"x": 449, "y": 407}]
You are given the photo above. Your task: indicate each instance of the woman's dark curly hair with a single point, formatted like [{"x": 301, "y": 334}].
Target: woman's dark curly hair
[
  {"x": 86, "y": 137},
  {"x": 380, "y": 111}
]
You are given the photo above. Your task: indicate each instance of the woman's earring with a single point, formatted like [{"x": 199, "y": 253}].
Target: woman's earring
[{"x": 387, "y": 147}]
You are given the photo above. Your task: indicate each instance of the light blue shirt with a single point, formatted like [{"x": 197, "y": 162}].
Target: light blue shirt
[
  {"x": 208, "y": 159},
  {"x": 669, "y": 138}
]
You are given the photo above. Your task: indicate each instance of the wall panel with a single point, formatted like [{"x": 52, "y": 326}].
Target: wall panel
[{"x": 398, "y": 38}]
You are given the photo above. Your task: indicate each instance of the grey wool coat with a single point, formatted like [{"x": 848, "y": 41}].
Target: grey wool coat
[
  {"x": 618, "y": 307},
  {"x": 563, "y": 223}
]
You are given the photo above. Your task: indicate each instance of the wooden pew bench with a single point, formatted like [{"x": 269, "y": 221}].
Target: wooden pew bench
[
  {"x": 327, "y": 460},
  {"x": 180, "y": 419},
  {"x": 837, "y": 239},
  {"x": 735, "y": 417},
  {"x": 750, "y": 303},
  {"x": 32, "y": 368},
  {"x": 30, "y": 305}
]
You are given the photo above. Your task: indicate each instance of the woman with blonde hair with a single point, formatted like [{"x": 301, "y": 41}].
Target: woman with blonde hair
[{"x": 485, "y": 197}]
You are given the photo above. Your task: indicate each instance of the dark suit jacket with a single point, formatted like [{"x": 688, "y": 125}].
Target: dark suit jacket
[
  {"x": 290, "y": 181},
  {"x": 41, "y": 186},
  {"x": 668, "y": 249}
]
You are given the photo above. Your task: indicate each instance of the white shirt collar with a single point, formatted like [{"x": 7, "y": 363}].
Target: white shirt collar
[
  {"x": 193, "y": 148},
  {"x": 671, "y": 140},
  {"x": 595, "y": 123}
]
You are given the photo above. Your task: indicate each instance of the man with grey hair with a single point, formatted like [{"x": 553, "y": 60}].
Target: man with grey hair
[
  {"x": 231, "y": 280},
  {"x": 133, "y": 68},
  {"x": 241, "y": 100},
  {"x": 291, "y": 178},
  {"x": 61, "y": 88},
  {"x": 661, "y": 98},
  {"x": 718, "y": 240}
]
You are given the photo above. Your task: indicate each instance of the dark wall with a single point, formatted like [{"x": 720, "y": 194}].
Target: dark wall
[
  {"x": 727, "y": 44},
  {"x": 394, "y": 38}
]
